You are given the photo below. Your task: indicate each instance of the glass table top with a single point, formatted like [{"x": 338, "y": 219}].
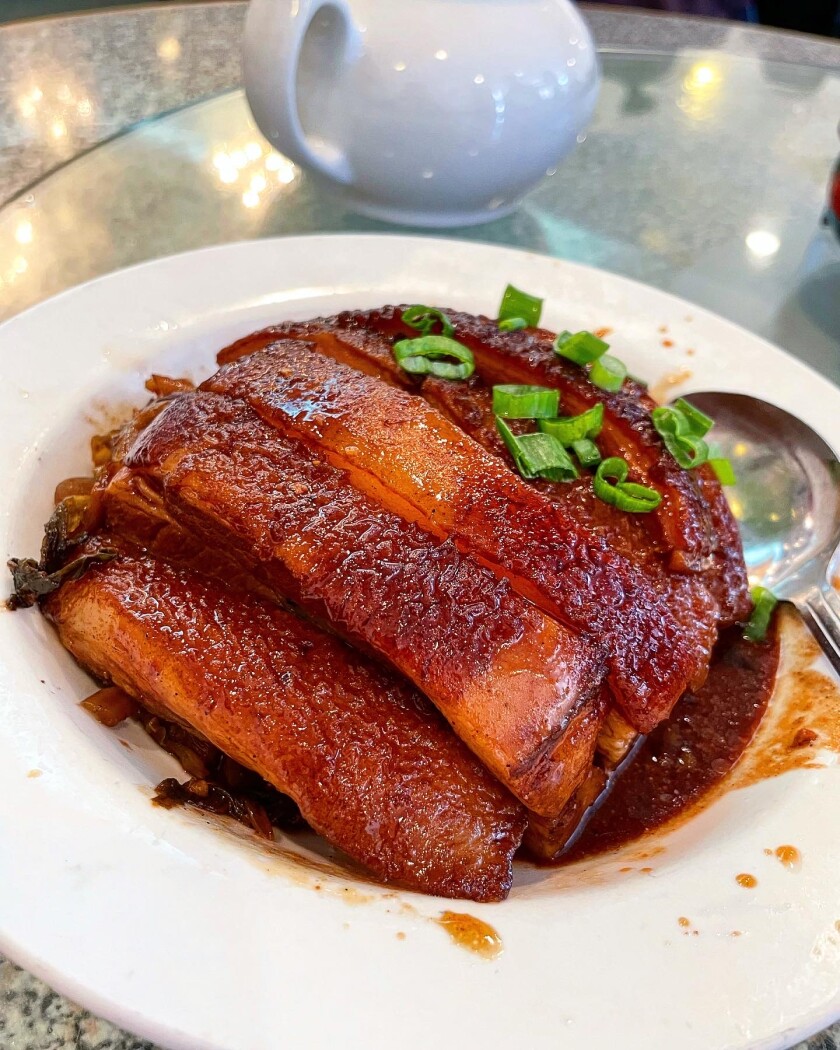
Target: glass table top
[{"x": 702, "y": 174}]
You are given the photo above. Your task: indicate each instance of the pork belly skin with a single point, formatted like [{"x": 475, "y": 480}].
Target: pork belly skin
[
  {"x": 369, "y": 762},
  {"x": 415, "y": 462},
  {"x": 693, "y": 529},
  {"x": 515, "y": 685}
]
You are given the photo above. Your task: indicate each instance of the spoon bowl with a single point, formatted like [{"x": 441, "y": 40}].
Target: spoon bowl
[{"x": 786, "y": 501}]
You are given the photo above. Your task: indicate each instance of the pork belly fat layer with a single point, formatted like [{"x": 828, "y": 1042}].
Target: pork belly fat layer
[
  {"x": 514, "y": 683},
  {"x": 413, "y": 461},
  {"x": 371, "y": 765}
]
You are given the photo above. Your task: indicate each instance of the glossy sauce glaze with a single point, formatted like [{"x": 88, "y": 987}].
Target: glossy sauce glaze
[
  {"x": 789, "y": 857},
  {"x": 474, "y": 935},
  {"x": 688, "y": 755}
]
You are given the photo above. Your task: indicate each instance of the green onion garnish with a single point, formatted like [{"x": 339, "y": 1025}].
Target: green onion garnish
[
  {"x": 429, "y": 355},
  {"x": 587, "y": 452},
  {"x": 512, "y": 324},
  {"x": 569, "y": 429},
  {"x": 537, "y": 455},
  {"x": 525, "y": 402},
  {"x": 424, "y": 319},
  {"x": 636, "y": 499},
  {"x": 611, "y": 485},
  {"x": 682, "y": 431},
  {"x": 724, "y": 470},
  {"x": 519, "y": 305},
  {"x": 764, "y": 602},
  {"x": 699, "y": 423},
  {"x": 608, "y": 373},
  {"x": 582, "y": 347}
]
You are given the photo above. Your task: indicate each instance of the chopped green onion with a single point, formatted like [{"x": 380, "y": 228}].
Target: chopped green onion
[
  {"x": 569, "y": 429},
  {"x": 689, "y": 451},
  {"x": 699, "y": 423},
  {"x": 428, "y": 356},
  {"x": 669, "y": 420},
  {"x": 582, "y": 347},
  {"x": 525, "y": 402},
  {"x": 587, "y": 452},
  {"x": 518, "y": 304},
  {"x": 512, "y": 324},
  {"x": 724, "y": 470},
  {"x": 676, "y": 429},
  {"x": 636, "y": 499},
  {"x": 764, "y": 602},
  {"x": 537, "y": 455},
  {"x": 611, "y": 486},
  {"x": 424, "y": 318},
  {"x": 608, "y": 373}
]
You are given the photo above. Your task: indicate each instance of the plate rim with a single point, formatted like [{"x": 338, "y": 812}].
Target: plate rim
[{"x": 144, "y": 1023}]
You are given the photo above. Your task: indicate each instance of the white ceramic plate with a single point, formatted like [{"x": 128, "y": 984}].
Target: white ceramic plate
[{"x": 198, "y": 938}]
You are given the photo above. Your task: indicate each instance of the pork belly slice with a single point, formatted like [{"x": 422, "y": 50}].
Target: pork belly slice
[
  {"x": 693, "y": 519},
  {"x": 520, "y": 689},
  {"x": 467, "y": 404},
  {"x": 545, "y": 839},
  {"x": 364, "y": 341},
  {"x": 693, "y": 525},
  {"x": 369, "y": 762},
  {"x": 413, "y": 461},
  {"x": 527, "y": 356},
  {"x": 728, "y": 580}
]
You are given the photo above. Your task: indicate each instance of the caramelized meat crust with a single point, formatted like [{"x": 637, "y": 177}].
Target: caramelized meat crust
[
  {"x": 692, "y": 531},
  {"x": 367, "y": 759},
  {"x": 512, "y": 681},
  {"x": 413, "y": 461}
]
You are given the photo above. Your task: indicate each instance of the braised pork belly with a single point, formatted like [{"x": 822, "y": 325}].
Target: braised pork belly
[{"x": 335, "y": 569}]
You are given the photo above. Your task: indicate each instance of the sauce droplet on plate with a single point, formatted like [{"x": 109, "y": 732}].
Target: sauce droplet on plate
[
  {"x": 746, "y": 880},
  {"x": 789, "y": 856},
  {"x": 471, "y": 933}
]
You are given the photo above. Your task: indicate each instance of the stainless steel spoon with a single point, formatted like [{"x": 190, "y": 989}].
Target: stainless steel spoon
[{"x": 787, "y": 503}]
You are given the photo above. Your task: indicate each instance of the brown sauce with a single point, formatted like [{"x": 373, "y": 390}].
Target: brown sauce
[
  {"x": 471, "y": 933},
  {"x": 683, "y": 759},
  {"x": 804, "y": 718},
  {"x": 749, "y": 882},
  {"x": 789, "y": 857},
  {"x": 661, "y": 390}
]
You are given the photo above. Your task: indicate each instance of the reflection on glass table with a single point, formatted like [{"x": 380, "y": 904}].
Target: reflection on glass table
[{"x": 703, "y": 175}]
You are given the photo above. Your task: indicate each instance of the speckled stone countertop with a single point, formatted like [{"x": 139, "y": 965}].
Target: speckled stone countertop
[{"x": 121, "y": 67}]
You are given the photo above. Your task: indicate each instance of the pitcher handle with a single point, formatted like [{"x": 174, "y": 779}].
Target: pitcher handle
[{"x": 274, "y": 34}]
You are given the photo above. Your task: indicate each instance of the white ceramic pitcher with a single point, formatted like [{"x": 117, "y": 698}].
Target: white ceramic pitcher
[{"x": 430, "y": 112}]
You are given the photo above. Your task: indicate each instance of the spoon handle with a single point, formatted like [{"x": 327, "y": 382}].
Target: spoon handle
[{"x": 821, "y": 612}]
